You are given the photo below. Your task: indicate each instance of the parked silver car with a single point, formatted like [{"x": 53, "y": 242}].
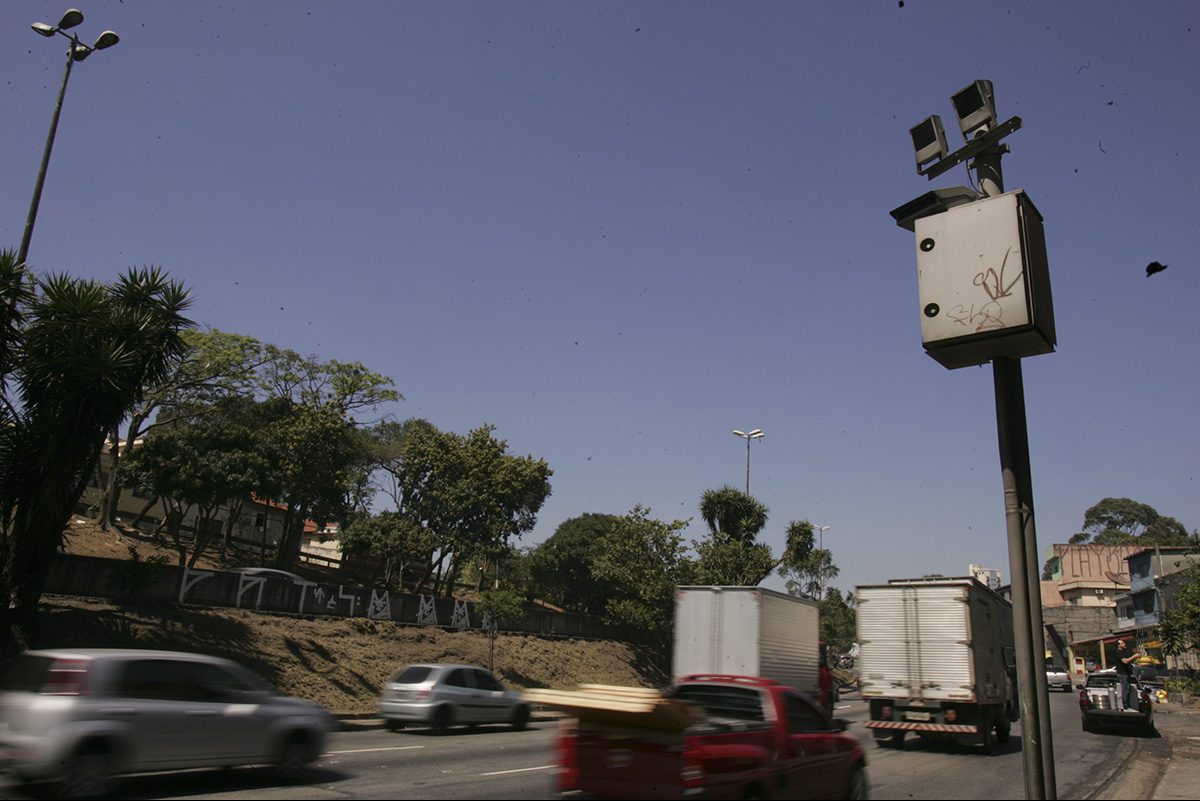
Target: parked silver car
[
  {"x": 81, "y": 717},
  {"x": 441, "y": 696}
]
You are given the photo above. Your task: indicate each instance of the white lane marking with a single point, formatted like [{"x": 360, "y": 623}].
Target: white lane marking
[
  {"x": 368, "y": 750},
  {"x": 518, "y": 770}
]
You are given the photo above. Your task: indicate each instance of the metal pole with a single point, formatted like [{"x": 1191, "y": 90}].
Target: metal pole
[
  {"x": 1037, "y": 750},
  {"x": 23, "y": 253},
  {"x": 748, "y": 465}
]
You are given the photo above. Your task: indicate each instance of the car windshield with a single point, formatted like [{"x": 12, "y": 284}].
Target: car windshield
[
  {"x": 413, "y": 674},
  {"x": 1102, "y": 681}
]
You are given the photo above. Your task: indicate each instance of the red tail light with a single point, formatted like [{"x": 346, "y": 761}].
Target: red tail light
[
  {"x": 66, "y": 677},
  {"x": 1084, "y": 701}
]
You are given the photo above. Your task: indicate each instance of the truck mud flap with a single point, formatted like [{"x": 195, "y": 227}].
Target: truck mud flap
[{"x": 945, "y": 728}]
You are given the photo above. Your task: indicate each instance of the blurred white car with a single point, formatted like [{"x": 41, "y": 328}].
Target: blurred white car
[
  {"x": 441, "y": 696},
  {"x": 82, "y": 717}
]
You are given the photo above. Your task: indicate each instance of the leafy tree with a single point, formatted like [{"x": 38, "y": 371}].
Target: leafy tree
[
  {"x": 317, "y": 458},
  {"x": 839, "y": 627},
  {"x": 733, "y": 563},
  {"x": 732, "y": 514},
  {"x": 75, "y": 357},
  {"x": 1180, "y": 627},
  {"x": 562, "y": 569},
  {"x": 215, "y": 365},
  {"x": 499, "y": 607},
  {"x": 203, "y": 460},
  {"x": 468, "y": 492},
  {"x": 321, "y": 461},
  {"x": 643, "y": 560},
  {"x": 1121, "y": 521},
  {"x": 731, "y": 554},
  {"x": 397, "y": 542},
  {"x": 805, "y": 569}
]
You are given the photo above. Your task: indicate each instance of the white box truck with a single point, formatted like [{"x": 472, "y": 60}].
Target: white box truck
[
  {"x": 751, "y": 631},
  {"x": 936, "y": 658}
]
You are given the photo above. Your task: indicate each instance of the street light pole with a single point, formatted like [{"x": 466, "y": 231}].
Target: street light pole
[
  {"x": 754, "y": 434},
  {"x": 77, "y": 52},
  {"x": 820, "y": 547}
]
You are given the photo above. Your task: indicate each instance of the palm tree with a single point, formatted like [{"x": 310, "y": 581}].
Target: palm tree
[
  {"x": 75, "y": 355},
  {"x": 732, "y": 514}
]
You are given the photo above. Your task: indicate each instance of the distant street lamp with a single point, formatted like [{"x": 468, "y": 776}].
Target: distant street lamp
[
  {"x": 821, "y": 534},
  {"x": 748, "y": 436},
  {"x": 77, "y": 52}
]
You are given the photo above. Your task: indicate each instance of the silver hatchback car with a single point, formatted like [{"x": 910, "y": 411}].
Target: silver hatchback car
[
  {"x": 441, "y": 696},
  {"x": 81, "y": 717}
]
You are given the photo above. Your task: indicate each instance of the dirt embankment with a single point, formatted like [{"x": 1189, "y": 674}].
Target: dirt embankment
[{"x": 340, "y": 663}]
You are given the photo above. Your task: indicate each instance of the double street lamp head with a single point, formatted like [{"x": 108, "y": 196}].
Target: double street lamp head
[
  {"x": 79, "y": 51},
  {"x": 756, "y": 433}
]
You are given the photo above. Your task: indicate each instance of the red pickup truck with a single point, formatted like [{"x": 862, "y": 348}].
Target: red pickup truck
[{"x": 742, "y": 737}]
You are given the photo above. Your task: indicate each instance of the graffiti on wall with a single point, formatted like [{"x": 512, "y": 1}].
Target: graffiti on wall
[{"x": 322, "y": 599}]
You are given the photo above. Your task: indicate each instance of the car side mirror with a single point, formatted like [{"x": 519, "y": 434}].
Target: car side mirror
[{"x": 840, "y": 724}]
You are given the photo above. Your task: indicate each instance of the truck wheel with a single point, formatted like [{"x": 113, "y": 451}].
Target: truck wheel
[
  {"x": 857, "y": 789},
  {"x": 985, "y": 734},
  {"x": 893, "y": 739},
  {"x": 1003, "y": 730}
]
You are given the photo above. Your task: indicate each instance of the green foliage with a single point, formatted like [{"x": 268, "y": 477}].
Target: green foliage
[
  {"x": 1184, "y": 685},
  {"x": 732, "y": 515},
  {"x": 562, "y": 569},
  {"x": 731, "y": 554},
  {"x": 468, "y": 493},
  {"x": 839, "y": 622},
  {"x": 395, "y": 540},
  {"x": 1180, "y": 628},
  {"x": 214, "y": 366},
  {"x": 501, "y": 606},
  {"x": 733, "y": 563},
  {"x": 77, "y": 356},
  {"x": 1121, "y": 521},
  {"x": 642, "y": 561},
  {"x": 805, "y": 569}
]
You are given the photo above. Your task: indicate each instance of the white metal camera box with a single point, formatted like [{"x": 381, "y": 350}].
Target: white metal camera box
[{"x": 983, "y": 282}]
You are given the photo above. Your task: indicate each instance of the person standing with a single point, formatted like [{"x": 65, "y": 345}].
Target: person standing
[{"x": 1124, "y": 671}]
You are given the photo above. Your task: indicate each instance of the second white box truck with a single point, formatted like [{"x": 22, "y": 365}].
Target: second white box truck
[
  {"x": 751, "y": 631},
  {"x": 936, "y": 658}
]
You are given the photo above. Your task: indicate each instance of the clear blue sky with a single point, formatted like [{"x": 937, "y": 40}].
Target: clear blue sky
[{"x": 618, "y": 231}]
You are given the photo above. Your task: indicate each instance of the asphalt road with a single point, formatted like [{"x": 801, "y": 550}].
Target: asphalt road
[{"x": 498, "y": 763}]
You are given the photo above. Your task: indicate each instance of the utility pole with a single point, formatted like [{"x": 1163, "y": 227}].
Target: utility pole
[
  {"x": 1028, "y": 631},
  {"x": 985, "y": 297}
]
